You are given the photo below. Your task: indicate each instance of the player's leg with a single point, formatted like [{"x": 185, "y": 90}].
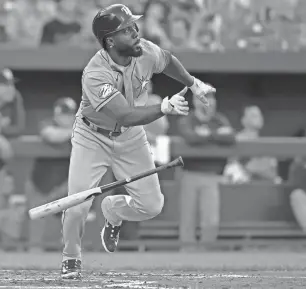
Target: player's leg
[
  {"x": 145, "y": 199},
  {"x": 88, "y": 163}
]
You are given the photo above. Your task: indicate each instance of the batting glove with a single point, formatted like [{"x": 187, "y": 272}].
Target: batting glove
[
  {"x": 201, "y": 90},
  {"x": 176, "y": 105}
]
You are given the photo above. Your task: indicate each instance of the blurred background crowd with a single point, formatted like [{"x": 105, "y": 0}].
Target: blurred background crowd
[
  {"x": 208, "y": 25},
  {"x": 37, "y": 106}
]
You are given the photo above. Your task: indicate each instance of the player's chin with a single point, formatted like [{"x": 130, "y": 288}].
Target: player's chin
[
  {"x": 137, "y": 51},
  {"x": 134, "y": 51}
]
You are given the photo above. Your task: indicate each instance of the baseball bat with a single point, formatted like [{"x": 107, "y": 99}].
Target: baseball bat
[{"x": 81, "y": 197}]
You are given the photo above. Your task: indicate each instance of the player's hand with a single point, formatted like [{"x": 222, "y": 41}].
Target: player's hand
[
  {"x": 201, "y": 90},
  {"x": 176, "y": 105}
]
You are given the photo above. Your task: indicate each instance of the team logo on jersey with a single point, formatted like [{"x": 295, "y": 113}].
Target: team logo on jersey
[
  {"x": 143, "y": 84},
  {"x": 106, "y": 90}
]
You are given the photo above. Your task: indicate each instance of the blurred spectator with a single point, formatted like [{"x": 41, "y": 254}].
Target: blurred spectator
[
  {"x": 6, "y": 154},
  {"x": 156, "y": 130},
  {"x": 300, "y": 14},
  {"x": 251, "y": 31},
  {"x": 210, "y": 36},
  {"x": 50, "y": 175},
  {"x": 179, "y": 31},
  {"x": 282, "y": 18},
  {"x": 64, "y": 28},
  {"x": 181, "y": 19},
  {"x": 87, "y": 10},
  {"x": 259, "y": 168},
  {"x": 4, "y": 8},
  {"x": 201, "y": 177},
  {"x": 12, "y": 116},
  {"x": 12, "y": 210},
  {"x": 156, "y": 25},
  {"x": 26, "y": 19},
  {"x": 297, "y": 184},
  {"x": 204, "y": 24},
  {"x": 252, "y": 122},
  {"x": 12, "y": 111},
  {"x": 7, "y": 96},
  {"x": 6, "y": 189}
]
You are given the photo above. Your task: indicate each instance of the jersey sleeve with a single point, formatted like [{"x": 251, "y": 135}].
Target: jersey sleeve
[
  {"x": 160, "y": 57},
  {"x": 99, "y": 88}
]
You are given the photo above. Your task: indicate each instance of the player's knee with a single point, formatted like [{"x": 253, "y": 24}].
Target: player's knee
[{"x": 154, "y": 205}]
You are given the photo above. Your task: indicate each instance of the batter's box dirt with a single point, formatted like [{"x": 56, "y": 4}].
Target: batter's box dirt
[
  {"x": 222, "y": 270},
  {"x": 152, "y": 280}
]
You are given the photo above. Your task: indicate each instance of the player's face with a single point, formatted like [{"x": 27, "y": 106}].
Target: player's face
[
  {"x": 127, "y": 42},
  {"x": 253, "y": 119}
]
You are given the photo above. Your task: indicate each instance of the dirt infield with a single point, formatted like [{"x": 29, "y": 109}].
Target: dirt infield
[{"x": 159, "y": 270}]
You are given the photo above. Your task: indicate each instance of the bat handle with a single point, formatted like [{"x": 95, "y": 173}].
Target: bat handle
[{"x": 180, "y": 161}]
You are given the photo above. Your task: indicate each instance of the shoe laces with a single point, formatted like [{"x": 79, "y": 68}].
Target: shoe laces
[
  {"x": 72, "y": 264},
  {"x": 114, "y": 232}
]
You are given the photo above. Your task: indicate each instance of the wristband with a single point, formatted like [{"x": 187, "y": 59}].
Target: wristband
[
  {"x": 193, "y": 86},
  {"x": 166, "y": 106}
]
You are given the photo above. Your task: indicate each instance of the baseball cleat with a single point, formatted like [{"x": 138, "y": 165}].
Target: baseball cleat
[
  {"x": 110, "y": 237},
  {"x": 71, "y": 269}
]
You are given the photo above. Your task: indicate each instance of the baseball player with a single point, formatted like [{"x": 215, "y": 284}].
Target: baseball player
[{"x": 108, "y": 131}]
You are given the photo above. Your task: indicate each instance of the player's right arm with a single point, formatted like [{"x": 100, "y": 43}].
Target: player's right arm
[
  {"x": 125, "y": 115},
  {"x": 105, "y": 98}
]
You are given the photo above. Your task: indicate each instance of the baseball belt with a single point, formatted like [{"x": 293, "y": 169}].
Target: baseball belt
[{"x": 105, "y": 132}]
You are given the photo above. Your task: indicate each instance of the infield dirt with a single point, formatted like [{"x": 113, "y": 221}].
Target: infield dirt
[{"x": 159, "y": 270}]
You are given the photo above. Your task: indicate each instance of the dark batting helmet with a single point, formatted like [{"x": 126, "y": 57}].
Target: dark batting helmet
[{"x": 111, "y": 19}]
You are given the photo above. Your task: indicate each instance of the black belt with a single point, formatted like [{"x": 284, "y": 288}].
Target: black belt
[{"x": 105, "y": 132}]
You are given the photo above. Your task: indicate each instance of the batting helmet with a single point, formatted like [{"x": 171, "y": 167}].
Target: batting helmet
[{"x": 111, "y": 19}]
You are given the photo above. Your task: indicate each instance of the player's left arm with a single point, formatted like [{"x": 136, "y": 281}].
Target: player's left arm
[
  {"x": 168, "y": 64},
  {"x": 177, "y": 71}
]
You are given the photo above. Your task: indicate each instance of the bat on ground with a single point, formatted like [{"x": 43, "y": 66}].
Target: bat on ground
[{"x": 81, "y": 197}]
